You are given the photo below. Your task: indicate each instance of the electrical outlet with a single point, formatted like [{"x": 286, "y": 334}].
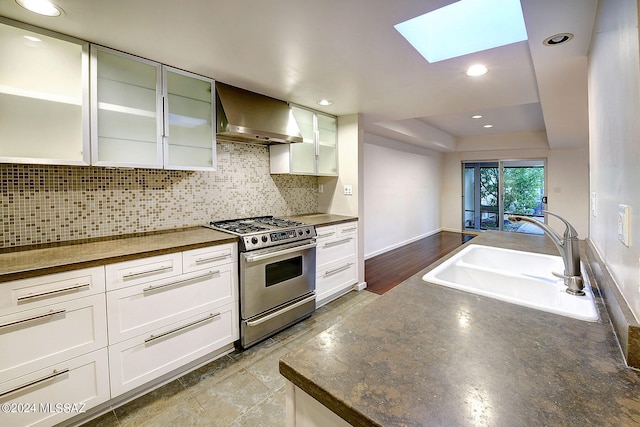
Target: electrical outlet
[
  {"x": 348, "y": 190},
  {"x": 623, "y": 224},
  {"x": 320, "y": 188},
  {"x": 594, "y": 204}
]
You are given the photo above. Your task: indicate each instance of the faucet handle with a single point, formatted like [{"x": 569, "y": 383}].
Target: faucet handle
[{"x": 571, "y": 231}]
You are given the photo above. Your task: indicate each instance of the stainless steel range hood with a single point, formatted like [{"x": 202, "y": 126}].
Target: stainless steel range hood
[{"x": 245, "y": 116}]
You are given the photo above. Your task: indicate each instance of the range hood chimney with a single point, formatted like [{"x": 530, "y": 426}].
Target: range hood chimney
[{"x": 244, "y": 116}]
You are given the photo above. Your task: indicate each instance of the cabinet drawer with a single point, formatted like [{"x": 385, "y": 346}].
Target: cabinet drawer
[
  {"x": 199, "y": 259},
  {"x": 325, "y": 233},
  {"x": 40, "y": 291},
  {"x": 144, "y": 358},
  {"x": 334, "y": 249},
  {"x": 335, "y": 277},
  {"x": 48, "y": 396},
  {"x": 142, "y": 308},
  {"x": 34, "y": 339},
  {"x": 129, "y": 273},
  {"x": 346, "y": 228}
]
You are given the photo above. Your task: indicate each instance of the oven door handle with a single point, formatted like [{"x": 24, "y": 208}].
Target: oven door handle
[
  {"x": 279, "y": 312},
  {"x": 275, "y": 253}
]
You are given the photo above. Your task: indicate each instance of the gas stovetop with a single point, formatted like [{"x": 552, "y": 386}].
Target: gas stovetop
[{"x": 265, "y": 231}]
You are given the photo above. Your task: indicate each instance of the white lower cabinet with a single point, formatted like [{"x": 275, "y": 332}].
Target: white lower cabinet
[
  {"x": 139, "y": 360},
  {"x": 157, "y": 326},
  {"x": 336, "y": 261},
  {"x": 48, "y": 396}
]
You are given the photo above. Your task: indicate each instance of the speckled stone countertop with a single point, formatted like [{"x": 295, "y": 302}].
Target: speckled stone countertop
[
  {"x": 425, "y": 355},
  {"x": 321, "y": 219},
  {"x": 22, "y": 264}
]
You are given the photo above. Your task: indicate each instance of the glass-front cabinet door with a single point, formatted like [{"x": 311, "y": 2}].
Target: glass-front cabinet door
[
  {"x": 126, "y": 110},
  {"x": 44, "y": 96},
  {"x": 303, "y": 154},
  {"x": 189, "y": 118},
  {"x": 327, "y": 145}
]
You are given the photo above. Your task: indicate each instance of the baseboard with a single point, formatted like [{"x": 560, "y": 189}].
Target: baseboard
[
  {"x": 401, "y": 244},
  {"x": 624, "y": 323}
]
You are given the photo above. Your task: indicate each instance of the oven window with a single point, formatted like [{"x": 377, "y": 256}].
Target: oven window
[{"x": 281, "y": 271}]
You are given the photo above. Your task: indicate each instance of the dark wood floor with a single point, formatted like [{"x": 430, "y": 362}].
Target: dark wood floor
[{"x": 389, "y": 269}]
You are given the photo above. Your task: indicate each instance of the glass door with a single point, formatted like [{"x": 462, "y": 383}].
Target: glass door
[{"x": 494, "y": 190}]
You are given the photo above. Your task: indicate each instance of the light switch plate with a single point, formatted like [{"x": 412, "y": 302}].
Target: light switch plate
[{"x": 623, "y": 224}]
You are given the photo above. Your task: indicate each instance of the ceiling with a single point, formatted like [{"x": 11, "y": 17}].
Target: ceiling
[{"x": 348, "y": 51}]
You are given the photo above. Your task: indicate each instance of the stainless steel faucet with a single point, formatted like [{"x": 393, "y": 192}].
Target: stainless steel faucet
[{"x": 569, "y": 247}]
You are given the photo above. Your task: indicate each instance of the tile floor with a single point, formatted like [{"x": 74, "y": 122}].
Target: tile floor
[{"x": 239, "y": 389}]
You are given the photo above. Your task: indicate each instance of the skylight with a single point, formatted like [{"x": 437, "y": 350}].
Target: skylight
[{"x": 464, "y": 27}]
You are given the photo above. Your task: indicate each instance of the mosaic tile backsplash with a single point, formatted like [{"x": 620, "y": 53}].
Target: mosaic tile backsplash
[{"x": 51, "y": 204}]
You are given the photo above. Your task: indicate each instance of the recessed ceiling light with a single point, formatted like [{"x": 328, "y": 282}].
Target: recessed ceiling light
[
  {"x": 557, "y": 39},
  {"x": 32, "y": 38},
  {"x": 477, "y": 70},
  {"x": 42, "y": 7},
  {"x": 487, "y": 126},
  {"x": 324, "y": 102},
  {"x": 464, "y": 27},
  {"x": 477, "y": 116}
]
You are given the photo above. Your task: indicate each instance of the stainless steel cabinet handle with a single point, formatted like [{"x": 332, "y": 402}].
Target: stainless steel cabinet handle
[
  {"x": 142, "y": 273},
  {"x": 51, "y": 376},
  {"x": 178, "y": 282},
  {"x": 349, "y": 229},
  {"x": 278, "y": 313},
  {"x": 212, "y": 259},
  {"x": 180, "y": 328},
  {"x": 53, "y": 292},
  {"x": 336, "y": 243},
  {"x": 259, "y": 257},
  {"x": 321, "y": 236},
  {"x": 30, "y": 319},
  {"x": 337, "y": 270}
]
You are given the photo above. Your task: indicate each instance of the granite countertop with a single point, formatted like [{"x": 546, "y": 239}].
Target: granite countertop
[
  {"x": 322, "y": 219},
  {"x": 29, "y": 263},
  {"x": 423, "y": 355},
  {"x": 20, "y": 264}
]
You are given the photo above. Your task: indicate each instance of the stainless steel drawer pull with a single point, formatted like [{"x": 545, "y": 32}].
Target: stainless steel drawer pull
[
  {"x": 321, "y": 236},
  {"x": 179, "y": 282},
  {"x": 142, "y": 273},
  {"x": 336, "y": 243},
  {"x": 271, "y": 253},
  {"x": 52, "y": 293},
  {"x": 51, "y": 376},
  {"x": 213, "y": 258},
  {"x": 346, "y": 230},
  {"x": 30, "y": 319},
  {"x": 337, "y": 270},
  {"x": 178, "y": 329}
]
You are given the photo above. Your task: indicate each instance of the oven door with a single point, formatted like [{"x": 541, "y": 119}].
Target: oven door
[{"x": 274, "y": 276}]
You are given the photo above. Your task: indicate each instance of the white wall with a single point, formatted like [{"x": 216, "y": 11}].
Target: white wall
[
  {"x": 567, "y": 184},
  {"x": 401, "y": 194},
  {"x": 614, "y": 129}
]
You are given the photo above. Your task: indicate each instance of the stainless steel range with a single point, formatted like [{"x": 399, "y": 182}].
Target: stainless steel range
[{"x": 277, "y": 274}]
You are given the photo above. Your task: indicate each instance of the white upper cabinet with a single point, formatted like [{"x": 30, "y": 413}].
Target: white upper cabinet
[
  {"x": 44, "y": 96},
  {"x": 148, "y": 115},
  {"x": 317, "y": 154}
]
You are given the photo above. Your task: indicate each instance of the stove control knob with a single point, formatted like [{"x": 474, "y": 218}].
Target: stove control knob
[
  {"x": 254, "y": 240},
  {"x": 300, "y": 232},
  {"x": 308, "y": 231},
  {"x": 265, "y": 238}
]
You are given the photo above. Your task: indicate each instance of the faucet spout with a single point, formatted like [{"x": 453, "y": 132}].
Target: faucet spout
[{"x": 569, "y": 247}]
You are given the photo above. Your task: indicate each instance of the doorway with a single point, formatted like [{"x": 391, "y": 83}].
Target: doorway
[{"x": 493, "y": 190}]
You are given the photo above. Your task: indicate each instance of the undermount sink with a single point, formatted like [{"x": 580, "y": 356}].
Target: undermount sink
[{"x": 517, "y": 277}]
